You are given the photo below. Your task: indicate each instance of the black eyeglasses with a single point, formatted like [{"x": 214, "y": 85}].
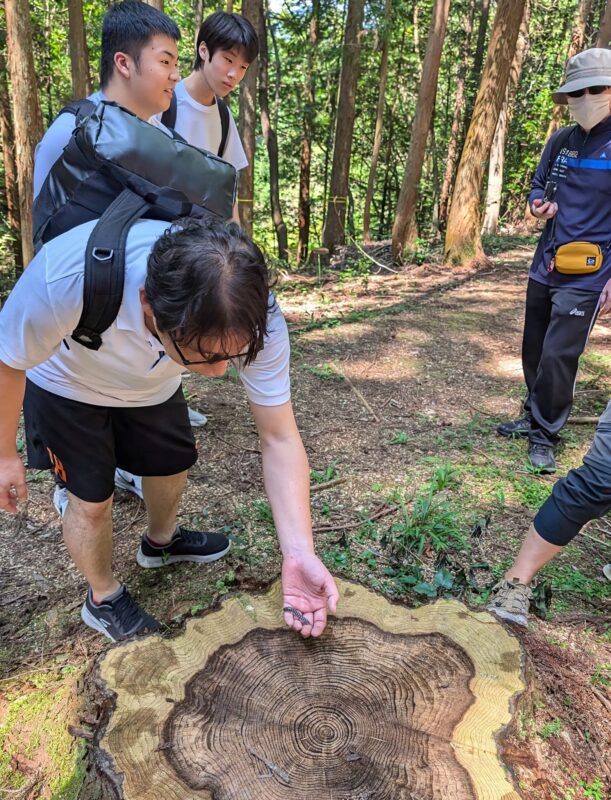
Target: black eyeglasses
[
  {"x": 215, "y": 358},
  {"x": 589, "y": 89}
]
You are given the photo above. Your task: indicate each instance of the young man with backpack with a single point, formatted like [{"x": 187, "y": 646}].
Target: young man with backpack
[
  {"x": 196, "y": 296},
  {"x": 226, "y": 46},
  {"x": 139, "y": 72},
  {"x": 570, "y": 276}
]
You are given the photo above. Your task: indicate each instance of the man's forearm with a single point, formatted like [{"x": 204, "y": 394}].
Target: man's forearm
[
  {"x": 286, "y": 476},
  {"x": 12, "y": 388}
]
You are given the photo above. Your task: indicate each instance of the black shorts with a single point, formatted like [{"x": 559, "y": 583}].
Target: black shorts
[{"x": 83, "y": 443}]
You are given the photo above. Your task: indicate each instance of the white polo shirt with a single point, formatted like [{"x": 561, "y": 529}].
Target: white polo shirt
[{"x": 131, "y": 368}]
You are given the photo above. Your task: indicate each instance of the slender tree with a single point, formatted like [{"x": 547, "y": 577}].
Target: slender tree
[
  {"x": 463, "y": 240},
  {"x": 404, "y": 228},
  {"x": 604, "y": 33},
  {"x": 377, "y": 136},
  {"x": 7, "y": 138},
  {"x": 459, "y": 100},
  {"x": 158, "y": 4},
  {"x": 333, "y": 232},
  {"x": 27, "y": 118},
  {"x": 478, "y": 60},
  {"x": 251, "y": 9},
  {"x": 199, "y": 15},
  {"x": 497, "y": 153},
  {"x": 271, "y": 139},
  {"x": 305, "y": 147},
  {"x": 79, "y": 57}
]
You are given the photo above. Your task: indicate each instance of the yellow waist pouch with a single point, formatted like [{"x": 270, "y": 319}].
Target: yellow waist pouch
[{"x": 578, "y": 258}]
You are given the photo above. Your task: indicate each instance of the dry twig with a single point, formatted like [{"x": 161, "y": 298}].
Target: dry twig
[{"x": 355, "y": 390}]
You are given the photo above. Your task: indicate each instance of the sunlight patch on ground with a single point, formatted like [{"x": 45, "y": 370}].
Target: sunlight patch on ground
[{"x": 510, "y": 367}]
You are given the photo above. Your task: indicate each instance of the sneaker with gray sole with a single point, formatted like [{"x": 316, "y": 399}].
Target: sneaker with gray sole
[
  {"x": 128, "y": 482},
  {"x": 118, "y": 617},
  {"x": 541, "y": 457},
  {"x": 514, "y": 428},
  {"x": 510, "y": 601},
  {"x": 196, "y": 546}
]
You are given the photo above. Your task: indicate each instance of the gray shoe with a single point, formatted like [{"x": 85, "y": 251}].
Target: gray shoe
[
  {"x": 510, "y": 601},
  {"x": 514, "y": 428},
  {"x": 607, "y": 571},
  {"x": 196, "y": 418},
  {"x": 541, "y": 456}
]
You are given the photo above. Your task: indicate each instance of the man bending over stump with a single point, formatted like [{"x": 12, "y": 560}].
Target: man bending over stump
[{"x": 196, "y": 296}]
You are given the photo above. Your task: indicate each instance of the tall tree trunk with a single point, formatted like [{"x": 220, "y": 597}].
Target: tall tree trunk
[
  {"x": 604, "y": 33},
  {"x": 199, "y": 16},
  {"x": 271, "y": 140},
  {"x": 248, "y": 120},
  {"x": 404, "y": 228},
  {"x": 459, "y": 99},
  {"x": 377, "y": 136},
  {"x": 497, "y": 154},
  {"x": 305, "y": 149},
  {"x": 26, "y": 110},
  {"x": 7, "y": 140},
  {"x": 463, "y": 240},
  {"x": 229, "y": 6},
  {"x": 333, "y": 233},
  {"x": 478, "y": 60},
  {"x": 577, "y": 44},
  {"x": 158, "y": 4},
  {"x": 79, "y": 57}
]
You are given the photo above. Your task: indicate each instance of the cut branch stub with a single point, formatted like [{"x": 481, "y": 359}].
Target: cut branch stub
[{"x": 391, "y": 703}]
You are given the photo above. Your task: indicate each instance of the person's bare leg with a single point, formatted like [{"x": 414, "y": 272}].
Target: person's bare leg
[
  {"x": 87, "y": 529},
  {"x": 162, "y": 496},
  {"x": 534, "y": 554}
]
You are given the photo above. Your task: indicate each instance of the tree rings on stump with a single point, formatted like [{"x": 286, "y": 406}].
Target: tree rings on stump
[{"x": 391, "y": 703}]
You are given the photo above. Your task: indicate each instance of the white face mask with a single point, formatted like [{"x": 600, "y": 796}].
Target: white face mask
[{"x": 589, "y": 109}]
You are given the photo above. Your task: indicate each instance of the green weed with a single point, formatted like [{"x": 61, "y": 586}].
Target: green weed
[
  {"x": 399, "y": 438},
  {"x": 550, "y": 729},
  {"x": 323, "y": 476},
  {"x": 326, "y": 372},
  {"x": 601, "y": 675}
]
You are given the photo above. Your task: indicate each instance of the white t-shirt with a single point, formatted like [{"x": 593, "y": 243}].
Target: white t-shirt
[
  {"x": 201, "y": 126},
  {"x": 130, "y": 369}
]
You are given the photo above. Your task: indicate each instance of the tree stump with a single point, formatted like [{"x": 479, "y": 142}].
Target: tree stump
[{"x": 391, "y": 703}]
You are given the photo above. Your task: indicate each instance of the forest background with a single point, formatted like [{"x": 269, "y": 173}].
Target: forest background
[{"x": 420, "y": 121}]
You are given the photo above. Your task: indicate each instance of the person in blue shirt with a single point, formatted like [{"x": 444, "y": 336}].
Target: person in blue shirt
[{"x": 561, "y": 308}]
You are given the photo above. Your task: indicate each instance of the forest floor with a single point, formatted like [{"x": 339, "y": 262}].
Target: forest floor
[{"x": 399, "y": 380}]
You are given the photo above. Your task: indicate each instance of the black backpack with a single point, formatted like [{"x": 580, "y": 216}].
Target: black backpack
[
  {"x": 116, "y": 168},
  {"x": 168, "y": 118}
]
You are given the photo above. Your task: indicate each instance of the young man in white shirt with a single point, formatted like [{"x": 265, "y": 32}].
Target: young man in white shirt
[{"x": 87, "y": 412}]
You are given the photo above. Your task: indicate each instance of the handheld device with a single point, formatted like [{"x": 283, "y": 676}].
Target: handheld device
[{"x": 551, "y": 187}]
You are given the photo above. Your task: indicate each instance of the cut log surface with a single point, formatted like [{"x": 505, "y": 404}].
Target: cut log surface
[{"x": 391, "y": 703}]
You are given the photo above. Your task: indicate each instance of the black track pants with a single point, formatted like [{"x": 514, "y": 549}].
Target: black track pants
[
  {"x": 556, "y": 330},
  {"x": 584, "y": 494}
]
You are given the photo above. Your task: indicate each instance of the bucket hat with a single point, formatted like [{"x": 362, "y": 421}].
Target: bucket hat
[{"x": 590, "y": 68}]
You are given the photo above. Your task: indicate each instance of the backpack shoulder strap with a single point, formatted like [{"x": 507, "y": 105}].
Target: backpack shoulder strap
[
  {"x": 564, "y": 134},
  {"x": 80, "y": 108},
  {"x": 105, "y": 268},
  {"x": 224, "y": 115},
  {"x": 168, "y": 118}
]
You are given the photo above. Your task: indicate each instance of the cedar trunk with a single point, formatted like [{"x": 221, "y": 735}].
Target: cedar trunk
[
  {"x": 271, "y": 139},
  {"x": 158, "y": 4},
  {"x": 248, "y": 120},
  {"x": 463, "y": 241},
  {"x": 26, "y": 110},
  {"x": 79, "y": 57},
  {"x": 199, "y": 16},
  {"x": 604, "y": 34},
  {"x": 404, "y": 228},
  {"x": 7, "y": 137},
  {"x": 305, "y": 154},
  {"x": 333, "y": 232},
  {"x": 459, "y": 100},
  {"x": 377, "y": 136},
  {"x": 497, "y": 154}
]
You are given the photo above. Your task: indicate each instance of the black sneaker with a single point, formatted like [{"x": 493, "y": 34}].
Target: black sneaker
[
  {"x": 118, "y": 618},
  {"x": 517, "y": 427},
  {"x": 541, "y": 456},
  {"x": 186, "y": 545}
]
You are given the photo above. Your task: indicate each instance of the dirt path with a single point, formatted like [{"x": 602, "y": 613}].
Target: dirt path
[{"x": 398, "y": 382}]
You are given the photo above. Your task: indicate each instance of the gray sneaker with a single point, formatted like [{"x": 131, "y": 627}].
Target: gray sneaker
[
  {"x": 510, "y": 600},
  {"x": 196, "y": 418}
]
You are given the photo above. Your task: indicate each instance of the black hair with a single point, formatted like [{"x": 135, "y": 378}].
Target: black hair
[
  {"x": 207, "y": 278},
  {"x": 224, "y": 31},
  {"x": 126, "y": 28}
]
